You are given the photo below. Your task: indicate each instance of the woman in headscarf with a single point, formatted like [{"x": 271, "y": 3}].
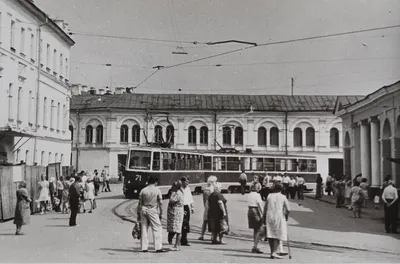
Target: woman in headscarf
[
  {"x": 175, "y": 214},
  {"x": 217, "y": 212},
  {"x": 206, "y": 193},
  {"x": 22, "y": 210},
  {"x": 255, "y": 215},
  {"x": 276, "y": 213},
  {"x": 44, "y": 194}
]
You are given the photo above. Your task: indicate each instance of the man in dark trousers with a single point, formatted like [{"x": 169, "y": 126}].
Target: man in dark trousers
[
  {"x": 243, "y": 182},
  {"x": 390, "y": 198},
  {"x": 188, "y": 207},
  {"x": 74, "y": 196}
]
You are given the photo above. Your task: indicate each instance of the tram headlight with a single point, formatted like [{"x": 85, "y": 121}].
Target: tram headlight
[{"x": 129, "y": 182}]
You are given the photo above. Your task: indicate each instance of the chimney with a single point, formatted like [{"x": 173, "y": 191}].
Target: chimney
[
  {"x": 76, "y": 89},
  {"x": 84, "y": 88},
  {"x": 101, "y": 91},
  {"x": 119, "y": 90},
  {"x": 92, "y": 91},
  {"x": 128, "y": 90}
]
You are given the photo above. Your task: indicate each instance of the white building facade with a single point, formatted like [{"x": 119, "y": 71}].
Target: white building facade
[
  {"x": 104, "y": 126},
  {"x": 371, "y": 133},
  {"x": 34, "y": 90}
]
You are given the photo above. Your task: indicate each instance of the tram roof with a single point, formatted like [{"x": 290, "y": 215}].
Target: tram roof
[
  {"x": 211, "y": 102},
  {"x": 216, "y": 153}
]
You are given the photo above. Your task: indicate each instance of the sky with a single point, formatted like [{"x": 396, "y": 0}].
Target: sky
[{"x": 354, "y": 64}]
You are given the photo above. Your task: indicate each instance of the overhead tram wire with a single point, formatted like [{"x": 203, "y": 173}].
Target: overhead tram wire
[{"x": 280, "y": 42}]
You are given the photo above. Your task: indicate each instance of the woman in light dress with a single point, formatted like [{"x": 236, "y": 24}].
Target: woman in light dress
[
  {"x": 276, "y": 213},
  {"x": 217, "y": 212},
  {"x": 44, "y": 194},
  {"x": 206, "y": 193},
  {"x": 175, "y": 214},
  {"x": 255, "y": 215}
]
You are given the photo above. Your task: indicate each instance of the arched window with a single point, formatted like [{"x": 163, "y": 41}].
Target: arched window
[
  {"x": 192, "y": 135},
  {"x": 226, "y": 135},
  {"x": 123, "y": 134},
  {"x": 262, "y": 136},
  {"x": 136, "y": 134},
  {"x": 158, "y": 134},
  {"x": 334, "y": 137},
  {"x": 71, "y": 128},
  {"x": 274, "y": 136},
  {"x": 89, "y": 134},
  {"x": 297, "y": 137},
  {"x": 238, "y": 136},
  {"x": 170, "y": 134},
  {"x": 203, "y": 135},
  {"x": 99, "y": 134},
  {"x": 310, "y": 137}
]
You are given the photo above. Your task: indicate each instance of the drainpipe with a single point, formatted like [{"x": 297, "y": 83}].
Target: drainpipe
[
  {"x": 286, "y": 133},
  {"x": 39, "y": 36},
  {"x": 215, "y": 130},
  {"x": 77, "y": 139}
]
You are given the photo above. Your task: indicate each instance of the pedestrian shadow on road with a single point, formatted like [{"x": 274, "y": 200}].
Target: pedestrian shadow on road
[
  {"x": 265, "y": 256},
  {"x": 130, "y": 250},
  {"x": 66, "y": 225},
  {"x": 8, "y": 234},
  {"x": 114, "y": 197},
  {"x": 230, "y": 250}
]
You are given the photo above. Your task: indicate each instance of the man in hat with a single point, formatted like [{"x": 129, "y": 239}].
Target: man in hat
[{"x": 188, "y": 207}]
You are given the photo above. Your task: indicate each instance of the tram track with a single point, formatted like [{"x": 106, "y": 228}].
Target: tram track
[{"x": 126, "y": 212}]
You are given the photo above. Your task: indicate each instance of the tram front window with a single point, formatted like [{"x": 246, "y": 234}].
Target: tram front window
[{"x": 139, "y": 159}]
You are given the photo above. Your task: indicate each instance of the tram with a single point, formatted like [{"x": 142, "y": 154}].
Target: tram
[{"x": 169, "y": 165}]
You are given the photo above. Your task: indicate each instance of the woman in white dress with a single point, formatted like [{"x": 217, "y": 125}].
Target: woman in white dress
[
  {"x": 90, "y": 193},
  {"x": 276, "y": 213},
  {"x": 206, "y": 193},
  {"x": 44, "y": 194}
]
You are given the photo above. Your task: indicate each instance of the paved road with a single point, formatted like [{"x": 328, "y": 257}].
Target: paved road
[{"x": 104, "y": 237}]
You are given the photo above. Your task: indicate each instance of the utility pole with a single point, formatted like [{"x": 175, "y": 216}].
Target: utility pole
[{"x": 292, "y": 86}]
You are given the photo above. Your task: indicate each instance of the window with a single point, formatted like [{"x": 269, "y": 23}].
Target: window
[
  {"x": 99, "y": 134},
  {"x": 238, "y": 136},
  {"x": 27, "y": 161},
  {"x": 55, "y": 61},
  {"x": 22, "y": 41},
  {"x": 64, "y": 114},
  {"x": 10, "y": 101},
  {"x": 192, "y": 135},
  {"x": 62, "y": 159},
  {"x": 42, "y": 158},
  {"x": 12, "y": 36},
  {"x": 123, "y": 136},
  {"x": 274, "y": 136},
  {"x": 204, "y": 135},
  {"x": 297, "y": 137},
  {"x": 89, "y": 134},
  {"x": 158, "y": 134},
  {"x": 48, "y": 56},
  {"x": 136, "y": 134},
  {"x": 45, "y": 112},
  {"x": 66, "y": 69},
  {"x": 61, "y": 64},
  {"x": 139, "y": 159},
  {"x": 226, "y": 135},
  {"x": 334, "y": 137},
  {"x": 71, "y": 129},
  {"x": 19, "y": 104},
  {"x": 41, "y": 52},
  {"x": 1, "y": 26},
  {"x": 262, "y": 136},
  {"x": 33, "y": 53},
  {"x": 58, "y": 115},
  {"x": 310, "y": 137},
  {"x": 56, "y": 157},
  {"x": 170, "y": 134},
  {"x": 156, "y": 160},
  {"x": 30, "y": 103},
  {"x": 52, "y": 114},
  {"x": 17, "y": 156}
]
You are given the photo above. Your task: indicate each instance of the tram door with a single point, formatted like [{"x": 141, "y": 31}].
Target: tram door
[{"x": 121, "y": 165}]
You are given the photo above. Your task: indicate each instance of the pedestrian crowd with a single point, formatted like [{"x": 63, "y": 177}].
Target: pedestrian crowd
[
  {"x": 267, "y": 219},
  {"x": 69, "y": 194}
]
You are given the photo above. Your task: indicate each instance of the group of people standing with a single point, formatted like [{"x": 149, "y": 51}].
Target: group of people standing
[{"x": 66, "y": 195}]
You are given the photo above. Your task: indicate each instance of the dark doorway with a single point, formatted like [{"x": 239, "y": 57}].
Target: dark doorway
[
  {"x": 121, "y": 165},
  {"x": 336, "y": 167}
]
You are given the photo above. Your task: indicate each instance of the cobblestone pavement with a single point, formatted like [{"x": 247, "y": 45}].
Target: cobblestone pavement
[{"x": 104, "y": 237}]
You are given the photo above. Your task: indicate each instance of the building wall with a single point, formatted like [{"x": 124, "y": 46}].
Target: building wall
[
  {"x": 20, "y": 89},
  {"x": 89, "y": 158}
]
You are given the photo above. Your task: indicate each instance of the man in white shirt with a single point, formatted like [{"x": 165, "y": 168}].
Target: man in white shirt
[
  {"x": 285, "y": 181},
  {"x": 390, "y": 197},
  {"x": 243, "y": 181},
  {"x": 188, "y": 207},
  {"x": 300, "y": 187},
  {"x": 265, "y": 187},
  {"x": 277, "y": 179},
  {"x": 149, "y": 214}
]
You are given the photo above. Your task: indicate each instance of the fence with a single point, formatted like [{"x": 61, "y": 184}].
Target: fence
[{"x": 31, "y": 174}]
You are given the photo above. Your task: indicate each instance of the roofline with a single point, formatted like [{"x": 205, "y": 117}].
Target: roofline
[
  {"x": 36, "y": 11},
  {"x": 369, "y": 98}
]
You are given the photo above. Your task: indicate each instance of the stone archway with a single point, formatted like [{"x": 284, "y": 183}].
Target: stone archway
[
  {"x": 386, "y": 148},
  {"x": 347, "y": 155},
  {"x": 397, "y": 149}
]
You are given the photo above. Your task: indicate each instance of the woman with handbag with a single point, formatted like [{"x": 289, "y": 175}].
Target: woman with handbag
[
  {"x": 175, "y": 213},
  {"x": 218, "y": 223},
  {"x": 255, "y": 215}
]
